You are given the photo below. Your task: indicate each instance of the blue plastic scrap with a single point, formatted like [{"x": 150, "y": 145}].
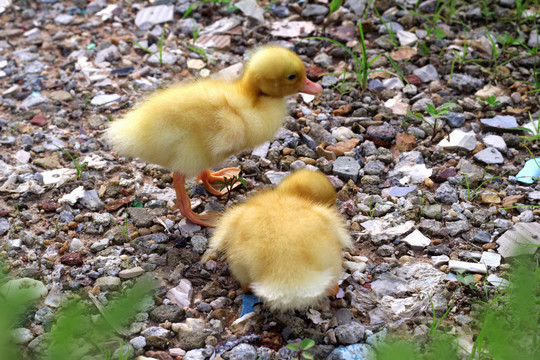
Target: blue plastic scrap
[
  {"x": 248, "y": 301},
  {"x": 530, "y": 171}
]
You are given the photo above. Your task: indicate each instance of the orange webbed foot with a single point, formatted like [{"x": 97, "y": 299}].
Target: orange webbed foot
[
  {"x": 183, "y": 203},
  {"x": 209, "y": 180},
  {"x": 246, "y": 288},
  {"x": 334, "y": 290}
]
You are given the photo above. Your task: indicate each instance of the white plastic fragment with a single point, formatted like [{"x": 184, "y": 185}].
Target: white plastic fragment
[
  {"x": 417, "y": 240},
  {"x": 57, "y": 176},
  {"x": 470, "y": 267}
]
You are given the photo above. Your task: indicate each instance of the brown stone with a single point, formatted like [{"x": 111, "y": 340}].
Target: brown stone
[
  {"x": 328, "y": 155},
  {"x": 72, "y": 259},
  {"x": 340, "y": 148},
  {"x": 405, "y": 142},
  {"x": 314, "y": 72},
  {"x": 490, "y": 196},
  {"x": 489, "y": 246},
  {"x": 511, "y": 200},
  {"x": 343, "y": 110},
  {"x": 39, "y": 120},
  {"x": 405, "y": 53},
  {"x": 48, "y": 163},
  {"x": 48, "y": 205},
  {"x": 413, "y": 79},
  {"x": 116, "y": 204}
]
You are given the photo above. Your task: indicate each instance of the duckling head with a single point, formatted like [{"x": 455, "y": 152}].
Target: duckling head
[
  {"x": 277, "y": 72},
  {"x": 311, "y": 185}
]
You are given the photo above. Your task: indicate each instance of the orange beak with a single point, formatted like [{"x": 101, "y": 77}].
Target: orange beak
[{"x": 310, "y": 87}]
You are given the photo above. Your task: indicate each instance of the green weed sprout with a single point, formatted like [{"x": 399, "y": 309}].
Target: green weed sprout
[
  {"x": 361, "y": 64},
  {"x": 79, "y": 167},
  {"x": 492, "y": 101},
  {"x": 301, "y": 352},
  {"x": 473, "y": 193},
  {"x": 228, "y": 183},
  {"x": 435, "y": 114},
  {"x": 159, "y": 45}
]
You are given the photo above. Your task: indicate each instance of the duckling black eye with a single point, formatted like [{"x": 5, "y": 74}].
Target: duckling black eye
[{"x": 292, "y": 77}]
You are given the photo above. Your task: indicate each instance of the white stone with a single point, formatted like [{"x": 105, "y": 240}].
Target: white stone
[
  {"x": 21, "y": 336},
  {"x": 497, "y": 281},
  {"x": 73, "y": 196},
  {"x": 131, "y": 273},
  {"x": 495, "y": 141},
  {"x": 291, "y": 29},
  {"x": 261, "y": 150},
  {"x": 342, "y": 133},
  {"x": 470, "y": 267},
  {"x": 414, "y": 174},
  {"x": 57, "y": 176},
  {"x": 181, "y": 294},
  {"x": 493, "y": 260},
  {"x": 355, "y": 266},
  {"x": 107, "y": 99},
  {"x": 196, "y": 64},
  {"x": 439, "y": 260},
  {"x": 417, "y": 240},
  {"x": 459, "y": 139},
  {"x": 406, "y": 38}
]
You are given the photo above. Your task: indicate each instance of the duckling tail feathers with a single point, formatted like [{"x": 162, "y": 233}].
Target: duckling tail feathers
[{"x": 295, "y": 293}]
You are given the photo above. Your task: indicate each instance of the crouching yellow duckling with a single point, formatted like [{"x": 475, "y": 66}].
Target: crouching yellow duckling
[
  {"x": 190, "y": 128},
  {"x": 285, "y": 244}
]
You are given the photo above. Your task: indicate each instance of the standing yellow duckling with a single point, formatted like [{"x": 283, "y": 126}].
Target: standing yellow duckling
[
  {"x": 285, "y": 244},
  {"x": 190, "y": 128}
]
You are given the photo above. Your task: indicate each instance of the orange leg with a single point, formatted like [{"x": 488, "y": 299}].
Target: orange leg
[
  {"x": 184, "y": 204},
  {"x": 333, "y": 291},
  {"x": 246, "y": 288},
  {"x": 209, "y": 178}
]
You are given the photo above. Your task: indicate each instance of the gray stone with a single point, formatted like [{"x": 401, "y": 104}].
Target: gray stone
[
  {"x": 199, "y": 243},
  {"x": 346, "y": 168},
  {"x": 534, "y": 195},
  {"x": 197, "y": 354},
  {"x": 384, "y": 132},
  {"x": 455, "y": 120},
  {"x": 150, "y": 16},
  {"x": 401, "y": 191},
  {"x": 375, "y": 167},
  {"x": 108, "y": 283},
  {"x": 458, "y": 227},
  {"x": 170, "y": 313},
  {"x": 138, "y": 342},
  {"x": 534, "y": 41},
  {"x": 481, "y": 237},
  {"x": 357, "y": 6},
  {"x": 526, "y": 216},
  {"x": 274, "y": 177},
  {"x": 323, "y": 60},
  {"x": 21, "y": 336},
  {"x": 63, "y": 19},
  {"x": 496, "y": 142},
  {"x": 392, "y": 83},
  {"x": 35, "y": 67},
  {"x": 191, "y": 334},
  {"x": 149, "y": 243},
  {"x": 32, "y": 101},
  {"x": 500, "y": 122},
  {"x": 28, "y": 237},
  {"x": 99, "y": 245},
  {"x": 329, "y": 80},
  {"x": 406, "y": 38},
  {"x": 108, "y": 54},
  {"x": 144, "y": 217},
  {"x": 459, "y": 139},
  {"x": 385, "y": 250},
  {"x": 446, "y": 194},
  {"x": 261, "y": 150},
  {"x": 421, "y": 105},
  {"x": 166, "y": 58},
  {"x": 489, "y": 156},
  {"x": 91, "y": 201},
  {"x": 433, "y": 211},
  {"x": 95, "y": 6},
  {"x": 242, "y": 352},
  {"x": 188, "y": 26},
  {"x": 131, "y": 273},
  {"x": 523, "y": 238},
  {"x": 4, "y": 226},
  {"x": 427, "y": 73},
  {"x": 465, "y": 83},
  {"x": 394, "y": 27},
  {"x": 351, "y": 333},
  {"x": 157, "y": 332},
  {"x": 101, "y": 219},
  {"x": 101, "y": 100},
  {"x": 351, "y": 352},
  {"x": 312, "y": 10}
]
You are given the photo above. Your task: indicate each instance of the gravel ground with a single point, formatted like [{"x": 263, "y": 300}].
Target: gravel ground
[{"x": 422, "y": 197}]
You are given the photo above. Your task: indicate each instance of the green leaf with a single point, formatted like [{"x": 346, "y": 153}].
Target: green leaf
[
  {"x": 292, "y": 347},
  {"x": 242, "y": 181},
  {"x": 306, "y": 344},
  {"x": 308, "y": 356},
  {"x": 439, "y": 34}
]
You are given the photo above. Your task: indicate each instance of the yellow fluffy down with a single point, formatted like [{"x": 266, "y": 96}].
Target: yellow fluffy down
[
  {"x": 195, "y": 126},
  {"x": 285, "y": 244}
]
